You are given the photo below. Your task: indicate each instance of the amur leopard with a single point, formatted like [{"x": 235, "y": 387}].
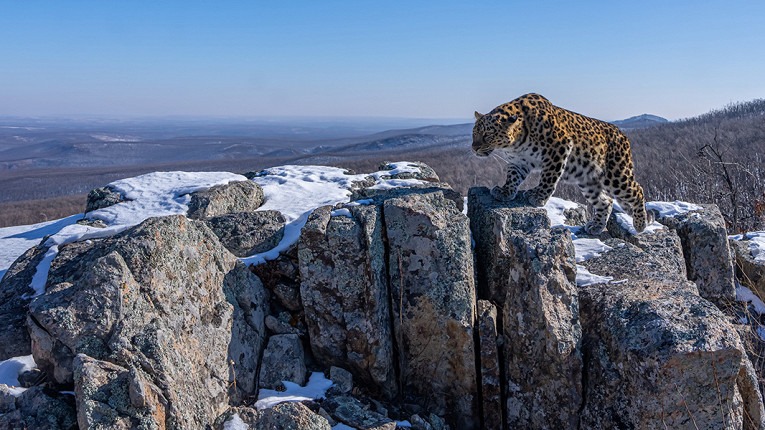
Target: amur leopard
[{"x": 536, "y": 135}]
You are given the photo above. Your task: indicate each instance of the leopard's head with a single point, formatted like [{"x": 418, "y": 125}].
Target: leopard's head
[{"x": 499, "y": 129}]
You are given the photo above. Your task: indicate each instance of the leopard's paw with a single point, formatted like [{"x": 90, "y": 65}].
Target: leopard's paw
[
  {"x": 502, "y": 194},
  {"x": 594, "y": 229}
]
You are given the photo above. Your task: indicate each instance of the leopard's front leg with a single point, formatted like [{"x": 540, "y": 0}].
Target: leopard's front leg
[
  {"x": 553, "y": 164},
  {"x": 516, "y": 173}
]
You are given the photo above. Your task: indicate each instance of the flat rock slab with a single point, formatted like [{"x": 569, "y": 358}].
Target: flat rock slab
[
  {"x": 234, "y": 197},
  {"x": 248, "y": 233}
]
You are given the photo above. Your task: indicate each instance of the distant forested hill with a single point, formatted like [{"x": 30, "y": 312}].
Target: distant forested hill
[{"x": 717, "y": 157}]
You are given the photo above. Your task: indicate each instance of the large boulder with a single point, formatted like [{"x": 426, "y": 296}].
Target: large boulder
[
  {"x": 664, "y": 358},
  {"x": 530, "y": 270},
  {"x": 749, "y": 270},
  {"x": 102, "y": 197},
  {"x": 284, "y": 416},
  {"x": 433, "y": 299},
  {"x": 111, "y": 396},
  {"x": 247, "y": 233},
  {"x": 283, "y": 360},
  {"x": 708, "y": 257},
  {"x": 15, "y": 295},
  {"x": 165, "y": 298},
  {"x": 345, "y": 293},
  {"x": 37, "y": 408},
  {"x": 238, "y": 196}
]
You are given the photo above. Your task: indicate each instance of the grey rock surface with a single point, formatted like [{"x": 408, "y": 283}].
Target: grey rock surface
[
  {"x": 664, "y": 246},
  {"x": 15, "y": 296},
  {"x": 491, "y": 381},
  {"x": 530, "y": 271},
  {"x": 160, "y": 297},
  {"x": 664, "y": 358},
  {"x": 342, "y": 379},
  {"x": 433, "y": 299},
  {"x": 749, "y": 271},
  {"x": 426, "y": 173},
  {"x": 37, "y": 408},
  {"x": 239, "y": 196},
  {"x": 284, "y": 416},
  {"x": 102, "y": 197},
  {"x": 345, "y": 294},
  {"x": 247, "y": 233},
  {"x": 487, "y": 218},
  {"x": 352, "y": 412},
  {"x": 290, "y": 416},
  {"x": 283, "y": 360},
  {"x": 112, "y": 397},
  {"x": 708, "y": 257},
  {"x": 381, "y": 194},
  {"x": 282, "y": 277}
]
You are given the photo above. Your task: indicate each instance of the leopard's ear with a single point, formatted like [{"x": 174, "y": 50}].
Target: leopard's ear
[{"x": 478, "y": 115}]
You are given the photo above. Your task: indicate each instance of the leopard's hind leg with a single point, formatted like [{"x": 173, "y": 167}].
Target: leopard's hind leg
[
  {"x": 620, "y": 182},
  {"x": 633, "y": 201},
  {"x": 601, "y": 204}
]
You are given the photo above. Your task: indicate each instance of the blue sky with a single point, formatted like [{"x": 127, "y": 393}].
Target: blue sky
[{"x": 427, "y": 59}]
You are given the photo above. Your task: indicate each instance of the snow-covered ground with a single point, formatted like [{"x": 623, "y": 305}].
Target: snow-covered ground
[
  {"x": 756, "y": 241},
  {"x": 10, "y": 370},
  {"x": 316, "y": 387}
]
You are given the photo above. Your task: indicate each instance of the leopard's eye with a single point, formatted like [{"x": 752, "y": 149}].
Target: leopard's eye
[{"x": 512, "y": 118}]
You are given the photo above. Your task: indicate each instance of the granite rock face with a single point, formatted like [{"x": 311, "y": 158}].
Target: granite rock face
[
  {"x": 110, "y": 396},
  {"x": 283, "y": 360},
  {"x": 234, "y": 197},
  {"x": 750, "y": 272},
  {"x": 434, "y": 302},
  {"x": 247, "y": 233},
  {"x": 657, "y": 353},
  {"x": 708, "y": 256},
  {"x": 663, "y": 357},
  {"x": 15, "y": 296},
  {"x": 102, "y": 197},
  {"x": 345, "y": 294},
  {"x": 160, "y": 299},
  {"x": 37, "y": 408},
  {"x": 162, "y": 327},
  {"x": 530, "y": 271}
]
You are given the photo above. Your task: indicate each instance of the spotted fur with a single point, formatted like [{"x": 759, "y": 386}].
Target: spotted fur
[{"x": 536, "y": 135}]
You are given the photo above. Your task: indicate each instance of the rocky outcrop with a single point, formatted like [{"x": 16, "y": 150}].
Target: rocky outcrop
[
  {"x": 284, "y": 416},
  {"x": 344, "y": 290},
  {"x": 529, "y": 270},
  {"x": 749, "y": 271},
  {"x": 111, "y": 396},
  {"x": 234, "y": 197},
  {"x": 283, "y": 360},
  {"x": 15, "y": 296},
  {"x": 708, "y": 257},
  {"x": 247, "y": 233},
  {"x": 433, "y": 300},
  {"x": 37, "y": 408},
  {"x": 102, "y": 197},
  {"x": 644, "y": 361},
  {"x": 162, "y": 327},
  {"x": 164, "y": 300}
]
